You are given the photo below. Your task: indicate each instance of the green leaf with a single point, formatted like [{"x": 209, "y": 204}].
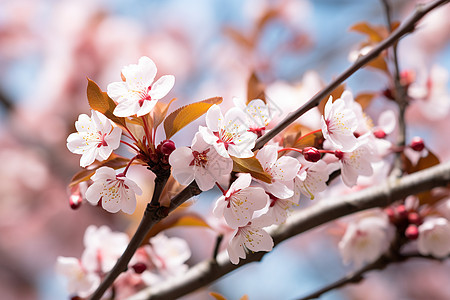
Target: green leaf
[
  {"x": 115, "y": 162},
  {"x": 100, "y": 101},
  {"x": 186, "y": 114},
  {"x": 251, "y": 165}
]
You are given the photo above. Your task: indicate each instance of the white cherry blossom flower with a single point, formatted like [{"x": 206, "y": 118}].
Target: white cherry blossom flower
[
  {"x": 339, "y": 123},
  {"x": 79, "y": 281},
  {"x": 364, "y": 241},
  {"x": 355, "y": 163},
  {"x": 229, "y": 135},
  {"x": 311, "y": 179},
  {"x": 282, "y": 170},
  {"x": 115, "y": 191},
  {"x": 137, "y": 94},
  {"x": 278, "y": 210},
  {"x": 250, "y": 237},
  {"x": 200, "y": 162},
  {"x": 258, "y": 114},
  {"x": 432, "y": 94},
  {"x": 240, "y": 202},
  {"x": 102, "y": 248},
  {"x": 96, "y": 138},
  {"x": 434, "y": 237}
]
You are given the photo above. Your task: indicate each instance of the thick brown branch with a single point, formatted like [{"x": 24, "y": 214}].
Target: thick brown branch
[
  {"x": 381, "y": 195},
  {"x": 407, "y": 27}
]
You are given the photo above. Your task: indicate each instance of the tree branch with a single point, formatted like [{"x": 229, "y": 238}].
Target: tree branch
[
  {"x": 407, "y": 27},
  {"x": 380, "y": 195},
  {"x": 155, "y": 214}
]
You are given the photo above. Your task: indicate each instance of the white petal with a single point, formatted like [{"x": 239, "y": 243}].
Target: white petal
[
  {"x": 213, "y": 117},
  {"x": 146, "y": 107},
  {"x": 126, "y": 108},
  {"x": 76, "y": 144},
  {"x": 93, "y": 193},
  {"x": 147, "y": 69},
  {"x": 88, "y": 156},
  {"x": 256, "y": 239},
  {"x": 162, "y": 87},
  {"x": 241, "y": 182},
  {"x": 279, "y": 190},
  {"x": 204, "y": 179},
  {"x": 387, "y": 121},
  {"x": 267, "y": 156},
  {"x": 116, "y": 90},
  {"x": 285, "y": 168},
  {"x": 113, "y": 139}
]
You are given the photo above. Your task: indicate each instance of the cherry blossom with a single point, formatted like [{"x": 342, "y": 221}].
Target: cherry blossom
[
  {"x": 434, "y": 237},
  {"x": 200, "y": 162},
  {"x": 339, "y": 123},
  {"x": 102, "y": 248},
  {"x": 282, "y": 170},
  {"x": 311, "y": 179},
  {"x": 240, "y": 202},
  {"x": 79, "y": 281},
  {"x": 168, "y": 257},
  {"x": 116, "y": 192},
  {"x": 249, "y": 237},
  {"x": 137, "y": 94},
  {"x": 278, "y": 209},
  {"x": 364, "y": 241},
  {"x": 96, "y": 138},
  {"x": 355, "y": 163},
  {"x": 431, "y": 94},
  {"x": 229, "y": 135},
  {"x": 258, "y": 114}
]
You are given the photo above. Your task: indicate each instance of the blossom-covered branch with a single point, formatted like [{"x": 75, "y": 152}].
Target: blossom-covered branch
[
  {"x": 378, "y": 196},
  {"x": 407, "y": 26}
]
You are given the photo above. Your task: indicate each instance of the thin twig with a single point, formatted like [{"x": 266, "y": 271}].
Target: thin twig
[
  {"x": 311, "y": 217},
  {"x": 400, "y": 97}
]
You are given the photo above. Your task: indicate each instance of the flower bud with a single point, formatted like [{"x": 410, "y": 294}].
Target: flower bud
[
  {"x": 339, "y": 154},
  {"x": 401, "y": 211},
  {"x": 139, "y": 268},
  {"x": 167, "y": 147},
  {"x": 414, "y": 218},
  {"x": 311, "y": 154},
  {"x": 417, "y": 144},
  {"x": 75, "y": 201},
  {"x": 379, "y": 134},
  {"x": 412, "y": 232},
  {"x": 389, "y": 211}
]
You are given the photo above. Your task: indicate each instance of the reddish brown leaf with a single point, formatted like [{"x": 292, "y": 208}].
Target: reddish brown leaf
[
  {"x": 336, "y": 93},
  {"x": 217, "y": 296},
  {"x": 255, "y": 89},
  {"x": 364, "y": 99},
  {"x": 375, "y": 33},
  {"x": 311, "y": 139},
  {"x": 100, "y": 101},
  {"x": 186, "y": 114},
  {"x": 251, "y": 165}
]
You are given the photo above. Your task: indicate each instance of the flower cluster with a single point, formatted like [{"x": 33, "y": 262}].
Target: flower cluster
[{"x": 161, "y": 259}]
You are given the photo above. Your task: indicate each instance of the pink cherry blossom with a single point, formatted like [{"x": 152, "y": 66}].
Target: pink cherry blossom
[
  {"x": 240, "y": 202},
  {"x": 434, "y": 237},
  {"x": 356, "y": 163},
  {"x": 229, "y": 135},
  {"x": 364, "y": 241},
  {"x": 137, "y": 94},
  {"x": 431, "y": 94},
  {"x": 116, "y": 192},
  {"x": 311, "y": 179},
  {"x": 102, "y": 248},
  {"x": 200, "y": 162},
  {"x": 79, "y": 281},
  {"x": 96, "y": 138},
  {"x": 339, "y": 123},
  {"x": 278, "y": 210},
  {"x": 282, "y": 170},
  {"x": 250, "y": 237},
  {"x": 258, "y": 114}
]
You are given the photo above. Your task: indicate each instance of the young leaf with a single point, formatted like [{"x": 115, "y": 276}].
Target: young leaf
[
  {"x": 375, "y": 34},
  {"x": 115, "y": 162},
  {"x": 159, "y": 112},
  {"x": 255, "y": 89},
  {"x": 251, "y": 165},
  {"x": 217, "y": 296},
  {"x": 313, "y": 139},
  {"x": 364, "y": 99},
  {"x": 186, "y": 114},
  {"x": 100, "y": 101}
]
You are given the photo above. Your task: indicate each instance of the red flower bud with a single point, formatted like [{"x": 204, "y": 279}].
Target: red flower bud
[
  {"x": 311, "y": 154},
  {"x": 401, "y": 211},
  {"x": 139, "y": 268},
  {"x": 414, "y": 218},
  {"x": 412, "y": 232},
  {"x": 75, "y": 201},
  {"x": 417, "y": 144},
  {"x": 379, "y": 134},
  {"x": 167, "y": 147},
  {"x": 339, "y": 154}
]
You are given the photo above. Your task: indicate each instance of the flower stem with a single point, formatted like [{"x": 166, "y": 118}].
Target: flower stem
[
  {"x": 130, "y": 145},
  {"x": 221, "y": 189}
]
